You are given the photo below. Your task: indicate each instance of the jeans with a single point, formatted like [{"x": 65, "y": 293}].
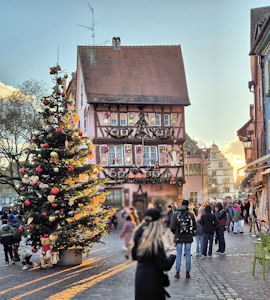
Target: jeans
[
  {"x": 179, "y": 248},
  {"x": 229, "y": 225},
  {"x": 221, "y": 239},
  {"x": 199, "y": 244},
  {"x": 207, "y": 237},
  {"x": 8, "y": 251},
  {"x": 240, "y": 223}
]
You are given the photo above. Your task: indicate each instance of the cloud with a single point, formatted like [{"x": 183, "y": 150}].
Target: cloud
[
  {"x": 234, "y": 152},
  {"x": 6, "y": 90}
]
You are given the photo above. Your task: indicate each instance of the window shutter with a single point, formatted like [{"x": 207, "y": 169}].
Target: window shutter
[
  {"x": 103, "y": 153},
  {"x": 128, "y": 155},
  {"x": 173, "y": 119},
  {"x": 162, "y": 155},
  {"x": 139, "y": 155},
  {"x": 152, "y": 119}
]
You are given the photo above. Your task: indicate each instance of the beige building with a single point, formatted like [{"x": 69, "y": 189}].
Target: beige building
[{"x": 220, "y": 176}]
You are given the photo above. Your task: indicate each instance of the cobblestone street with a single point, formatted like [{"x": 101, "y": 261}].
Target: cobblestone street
[{"x": 105, "y": 274}]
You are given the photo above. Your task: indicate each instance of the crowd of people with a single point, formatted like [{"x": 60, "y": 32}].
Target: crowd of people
[
  {"x": 151, "y": 240},
  {"x": 10, "y": 238}
]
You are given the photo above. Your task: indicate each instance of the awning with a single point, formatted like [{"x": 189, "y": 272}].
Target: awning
[
  {"x": 259, "y": 160},
  {"x": 267, "y": 171}
]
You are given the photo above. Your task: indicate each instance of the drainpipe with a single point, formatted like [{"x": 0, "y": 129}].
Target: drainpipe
[{"x": 263, "y": 100}]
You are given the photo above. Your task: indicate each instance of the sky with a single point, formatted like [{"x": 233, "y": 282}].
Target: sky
[{"x": 214, "y": 37}]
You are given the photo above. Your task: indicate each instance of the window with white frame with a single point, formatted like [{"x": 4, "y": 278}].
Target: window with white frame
[
  {"x": 123, "y": 119},
  {"x": 116, "y": 157},
  {"x": 158, "y": 119},
  {"x": 167, "y": 120},
  {"x": 150, "y": 156},
  {"x": 114, "y": 119},
  {"x": 193, "y": 196}
]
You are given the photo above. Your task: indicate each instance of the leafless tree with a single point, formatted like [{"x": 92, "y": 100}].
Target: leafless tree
[{"x": 19, "y": 119}]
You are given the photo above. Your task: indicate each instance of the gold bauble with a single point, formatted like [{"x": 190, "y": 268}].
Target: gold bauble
[
  {"x": 56, "y": 170},
  {"x": 54, "y": 154},
  {"x": 51, "y": 218}
]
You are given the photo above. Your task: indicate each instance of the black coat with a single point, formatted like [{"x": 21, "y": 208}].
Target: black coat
[
  {"x": 182, "y": 238},
  {"x": 209, "y": 222},
  {"x": 149, "y": 273}
]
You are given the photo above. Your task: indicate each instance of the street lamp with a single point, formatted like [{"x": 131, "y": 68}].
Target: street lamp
[{"x": 247, "y": 142}]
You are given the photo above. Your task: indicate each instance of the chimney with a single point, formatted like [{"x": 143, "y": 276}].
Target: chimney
[{"x": 116, "y": 43}]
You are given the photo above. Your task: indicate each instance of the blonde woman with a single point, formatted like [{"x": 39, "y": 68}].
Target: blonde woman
[{"x": 148, "y": 250}]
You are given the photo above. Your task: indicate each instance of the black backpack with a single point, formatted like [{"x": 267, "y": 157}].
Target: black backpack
[{"x": 185, "y": 223}]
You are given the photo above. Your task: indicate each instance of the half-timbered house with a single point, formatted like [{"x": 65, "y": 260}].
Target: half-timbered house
[{"x": 131, "y": 102}]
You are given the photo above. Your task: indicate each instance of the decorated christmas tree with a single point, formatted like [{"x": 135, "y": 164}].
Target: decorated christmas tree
[{"x": 59, "y": 192}]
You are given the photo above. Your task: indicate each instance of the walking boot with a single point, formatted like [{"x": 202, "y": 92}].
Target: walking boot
[
  {"x": 187, "y": 275},
  {"x": 177, "y": 275}
]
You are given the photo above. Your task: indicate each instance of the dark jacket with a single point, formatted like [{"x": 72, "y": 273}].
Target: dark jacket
[
  {"x": 230, "y": 212},
  {"x": 199, "y": 228},
  {"x": 182, "y": 237},
  {"x": 208, "y": 221},
  {"x": 221, "y": 216},
  {"x": 149, "y": 274},
  {"x": 13, "y": 220},
  {"x": 169, "y": 217},
  {"x": 7, "y": 234}
]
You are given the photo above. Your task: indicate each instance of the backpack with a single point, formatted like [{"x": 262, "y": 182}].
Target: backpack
[{"x": 185, "y": 224}]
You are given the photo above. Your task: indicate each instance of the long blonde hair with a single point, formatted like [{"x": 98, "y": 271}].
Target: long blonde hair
[{"x": 152, "y": 237}]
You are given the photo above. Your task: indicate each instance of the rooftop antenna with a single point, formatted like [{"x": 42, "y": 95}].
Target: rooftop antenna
[{"x": 92, "y": 27}]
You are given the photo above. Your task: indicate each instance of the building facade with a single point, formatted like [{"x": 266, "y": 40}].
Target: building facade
[
  {"x": 196, "y": 172},
  {"x": 220, "y": 176},
  {"x": 131, "y": 102}
]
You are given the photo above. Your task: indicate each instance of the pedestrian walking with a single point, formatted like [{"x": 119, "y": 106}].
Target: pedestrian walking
[
  {"x": 7, "y": 233},
  {"x": 183, "y": 225},
  {"x": 238, "y": 219},
  {"x": 199, "y": 234},
  {"x": 229, "y": 211},
  {"x": 220, "y": 214},
  {"x": 126, "y": 233},
  {"x": 208, "y": 222},
  {"x": 134, "y": 216},
  {"x": 169, "y": 237},
  {"x": 148, "y": 250},
  {"x": 25, "y": 255}
]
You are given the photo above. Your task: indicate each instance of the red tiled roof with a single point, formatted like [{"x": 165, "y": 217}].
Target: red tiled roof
[{"x": 134, "y": 74}]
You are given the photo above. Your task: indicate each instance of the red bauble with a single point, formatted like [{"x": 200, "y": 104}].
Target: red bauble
[
  {"x": 54, "y": 204},
  {"x": 90, "y": 152},
  {"x": 80, "y": 133},
  {"x": 44, "y": 213},
  {"x": 22, "y": 171},
  {"x": 51, "y": 72},
  {"x": 34, "y": 139},
  {"x": 70, "y": 169},
  {"x": 24, "y": 188},
  {"x": 59, "y": 130},
  {"x": 54, "y": 191},
  {"x": 38, "y": 183},
  {"x": 33, "y": 184},
  {"x": 31, "y": 227},
  {"x": 84, "y": 200},
  {"x": 63, "y": 95},
  {"x": 62, "y": 210},
  {"x": 26, "y": 152},
  {"x": 46, "y": 102},
  {"x": 92, "y": 235},
  {"x": 21, "y": 229},
  {"x": 39, "y": 169},
  {"x": 34, "y": 250},
  {"x": 27, "y": 202},
  {"x": 46, "y": 145},
  {"x": 33, "y": 159}
]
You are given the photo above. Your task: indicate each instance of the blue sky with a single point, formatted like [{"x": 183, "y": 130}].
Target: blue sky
[{"x": 214, "y": 36}]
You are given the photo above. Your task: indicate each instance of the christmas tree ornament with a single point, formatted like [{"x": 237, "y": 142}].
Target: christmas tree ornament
[
  {"x": 51, "y": 198},
  {"x": 52, "y": 218},
  {"x": 71, "y": 201},
  {"x": 56, "y": 170},
  {"x": 26, "y": 179},
  {"x": 17, "y": 186},
  {"x": 70, "y": 169},
  {"x": 39, "y": 169},
  {"x": 26, "y": 152},
  {"x": 54, "y": 157},
  {"x": 54, "y": 191},
  {"x": 53, "y": 237},
  {"x": 30, "y": 220},
  {"x": 46, "y": 102},
  {"x": 21, "y": 229},
  {"x": 71, "y": 213},
  {"x": 46, "y": 145},
  {"x": 34, "y": 250},
  {"x": 59, "y": 130},
  {"x": 44, "y": 213},
  {"x": 54, "y": 204},
  {"x": 34, "y": 179},
  {"x": 27, "y": 202},
  {"x": 80, "y": 133},
  {"x": 22, "y": 171}
]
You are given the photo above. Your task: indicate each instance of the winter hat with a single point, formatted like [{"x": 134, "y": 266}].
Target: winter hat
[
  {"x": 237, "y": 207},
  {"x": 185, "y": 202},
  {"x": 207, "y": 209},
  {"x": 152, "y": 215}
]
